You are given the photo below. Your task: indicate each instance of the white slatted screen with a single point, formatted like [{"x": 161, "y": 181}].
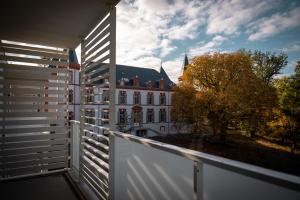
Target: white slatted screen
[
  {"x": 33, "y": 109},
  {"x": 98, "y": 61}
]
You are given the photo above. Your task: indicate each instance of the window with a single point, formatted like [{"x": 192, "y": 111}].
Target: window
[
  {"x": 150, "y": 98},
  {"x": 89, "y": 96},
  {"x": 105, "y": 114},
  {"x": 137, "y": 98},
  {"x": 122, "y": 97},
  {"x": 137, "y": 117},
  {"x": 71, "y": 96},
  {"x": 105, "y": 117},
  {"x": 122, "y": 116},
  {"x": 105, "y": 96},
  {"x": 150, "y": 115},
  {"x": 71, "y": 115},
  {"x": 162, "y": 115},
  {"x": 90, "y": 116},
  {"x": 162, "y": 99},
  {"x": 71, "y": 77}
]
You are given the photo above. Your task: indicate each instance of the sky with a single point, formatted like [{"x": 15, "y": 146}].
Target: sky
[{"x": 151, "y": 33}]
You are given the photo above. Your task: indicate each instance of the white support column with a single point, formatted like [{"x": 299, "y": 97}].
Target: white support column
[
  {"x": 198, "y": 180},
  {"x": 81, "y": 109},
  {"x": 112, "y": 70}
]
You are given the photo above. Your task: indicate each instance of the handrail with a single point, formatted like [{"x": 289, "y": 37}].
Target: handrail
[{"x": 279, "y": 178}]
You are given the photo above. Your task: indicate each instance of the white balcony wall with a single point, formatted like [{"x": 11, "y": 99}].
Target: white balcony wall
[
  {"x": 221, "y": 183},
  {"x": 144, "y": 169},
  {"x": 142, "y": 172}
]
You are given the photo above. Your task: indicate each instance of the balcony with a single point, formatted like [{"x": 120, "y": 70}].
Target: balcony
[
  {"x": 114, "y": 165},
  {"x": 42, "y": 157}
]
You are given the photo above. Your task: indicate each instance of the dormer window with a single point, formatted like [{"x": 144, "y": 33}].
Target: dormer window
[
  {"x": 149, "y": 85},
  {"x": 122, "y": 82}
]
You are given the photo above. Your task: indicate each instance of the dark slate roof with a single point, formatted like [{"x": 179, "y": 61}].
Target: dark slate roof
[
  {"x": 127, "y": 73},
  {"x": 72, "y": 57}
]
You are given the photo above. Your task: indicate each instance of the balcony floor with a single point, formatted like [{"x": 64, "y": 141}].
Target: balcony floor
[{"x": 54, "y": 186}]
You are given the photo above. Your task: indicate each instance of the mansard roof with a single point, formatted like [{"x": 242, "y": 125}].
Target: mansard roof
[{"x": 145, "y": 75}]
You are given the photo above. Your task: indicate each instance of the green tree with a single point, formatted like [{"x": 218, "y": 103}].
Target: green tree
[
  {"x": 267, "y": 65},
  {"x": 288, "y": 89}
]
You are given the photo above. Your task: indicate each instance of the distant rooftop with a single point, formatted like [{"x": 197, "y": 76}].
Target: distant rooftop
[{"x": 127, "y": 73}]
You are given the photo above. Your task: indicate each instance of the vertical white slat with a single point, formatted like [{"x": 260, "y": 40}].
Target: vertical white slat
[{"x": 112, "y": 71}]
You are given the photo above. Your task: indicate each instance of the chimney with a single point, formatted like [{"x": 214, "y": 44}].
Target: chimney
[
  {"x": 161, "y": 84},
  {"x": 136, "y": 81}
]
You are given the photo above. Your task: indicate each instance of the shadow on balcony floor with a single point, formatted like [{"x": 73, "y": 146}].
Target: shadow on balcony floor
[{"x": 54, "y": 187}]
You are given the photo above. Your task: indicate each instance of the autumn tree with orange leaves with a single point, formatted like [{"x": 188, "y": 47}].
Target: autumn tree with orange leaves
[{"x": 222, "y": 88}]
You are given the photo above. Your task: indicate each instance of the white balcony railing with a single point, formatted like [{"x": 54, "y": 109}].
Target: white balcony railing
[{"x": 140, "y": 168}]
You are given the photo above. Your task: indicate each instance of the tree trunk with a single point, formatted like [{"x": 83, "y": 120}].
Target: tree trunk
[{"x": 252, "y": 133}]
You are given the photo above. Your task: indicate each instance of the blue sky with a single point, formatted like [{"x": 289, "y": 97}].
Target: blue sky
[{"x": 153, "y": 31}]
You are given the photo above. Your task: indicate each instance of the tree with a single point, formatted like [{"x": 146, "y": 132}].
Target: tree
[
  {"x": 288, "y": 89},
  {"x": 267, "y": 65},
  {"x": 258, "y": 102},
  {"x": 183, "y": 101},
  {"x": 225, "y": 87}
]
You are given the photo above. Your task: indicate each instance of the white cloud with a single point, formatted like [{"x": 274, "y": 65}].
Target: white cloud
[
  {"x": 185, "y": 31},
  {"x": 166, "y": 47},
  {"x": 278, "y": 22},
  {"x": 292, "y": 47},
  {"x": 147, "y": 62},
  {"x": 202, "y": 48},
  {"x": 174, "y": 68},
  {"x": 149, "y": 31},
  {"x": 149, "y": 28},
  {"x": 227, "y": 17}
]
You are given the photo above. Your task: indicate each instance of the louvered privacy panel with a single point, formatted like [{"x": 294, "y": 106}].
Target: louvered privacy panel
[
  {"x": 98, "y": 59},
  {"x": 33, "y": 110}
]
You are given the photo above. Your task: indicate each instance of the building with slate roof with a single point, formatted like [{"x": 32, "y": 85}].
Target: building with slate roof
[{"x": 143, "y": 99}]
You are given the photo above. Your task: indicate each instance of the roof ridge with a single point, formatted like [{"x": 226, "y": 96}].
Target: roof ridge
[{"x": 138, "y": 67}]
